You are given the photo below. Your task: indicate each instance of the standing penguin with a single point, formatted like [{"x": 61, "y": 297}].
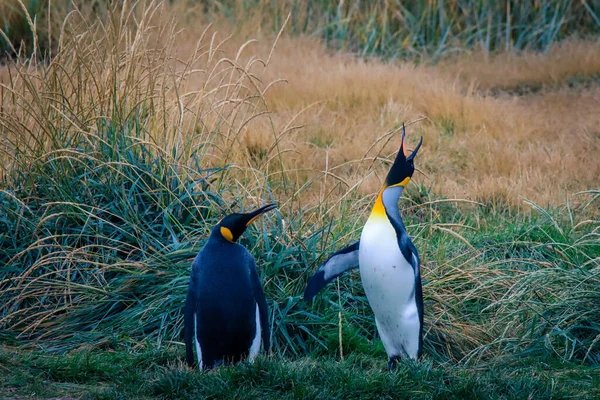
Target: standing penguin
[
  {"x": 226, "y": 312},
  {"x": 389, "y": 267}
]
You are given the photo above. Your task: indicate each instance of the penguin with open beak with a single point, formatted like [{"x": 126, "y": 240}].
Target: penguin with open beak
[
  {"x": 226, "y": 312},
  {"x": 389, "y": 266}
]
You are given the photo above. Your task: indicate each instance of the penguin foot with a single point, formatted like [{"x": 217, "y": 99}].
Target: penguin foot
[{"x": 393, "y": 362}]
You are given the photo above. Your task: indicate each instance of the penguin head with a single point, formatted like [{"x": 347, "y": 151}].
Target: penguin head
[
  {"x": 232, "y": 226},
  {"x": 403, "y": 168},
  {"x": 398, "y": 177}
]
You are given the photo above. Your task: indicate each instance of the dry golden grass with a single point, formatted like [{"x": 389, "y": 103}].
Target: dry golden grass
[
  {"x": 541, "y": 146},
  {"x": 569, "y": 59},
  {"x": 332, "y": 109}
]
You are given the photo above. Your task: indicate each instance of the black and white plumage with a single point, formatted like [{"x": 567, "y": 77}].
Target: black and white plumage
[
  {"x": 226, "y": 313},
  {"x": 389, "y": 266},
  {"x": 338, "y": 263}
]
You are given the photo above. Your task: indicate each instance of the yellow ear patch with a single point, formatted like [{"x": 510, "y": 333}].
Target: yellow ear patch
[{"x": 227, "y": 233}]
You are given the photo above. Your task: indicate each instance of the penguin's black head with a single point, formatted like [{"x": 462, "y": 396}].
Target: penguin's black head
[
  {"x": 403, "y": 168},
  {"x": 232, "y": 226}
]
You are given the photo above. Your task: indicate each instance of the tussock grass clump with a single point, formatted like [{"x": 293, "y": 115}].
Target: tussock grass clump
[
  {"x": 554, "y": 304},
  {"x": 111, "y": 170}
]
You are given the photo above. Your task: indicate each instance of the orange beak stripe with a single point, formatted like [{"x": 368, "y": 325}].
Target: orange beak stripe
[{"x": 253, "y": 219}]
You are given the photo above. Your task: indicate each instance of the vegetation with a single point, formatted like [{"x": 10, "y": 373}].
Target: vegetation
[
  {"x": 159, "y": 374},
  {"x": 119, "y": 154},
  {"x": 394, "y": 29},
  {"x": 407, "y": 28},
  {"x": 16, "y": 28}
]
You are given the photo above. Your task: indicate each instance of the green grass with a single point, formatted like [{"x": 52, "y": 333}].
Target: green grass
[
  {"x": 93, "y": 261},
  {"x": 159, "y": 373},
  {"x": 392, "y": 29},
  {"x": 399, "y": 29}
]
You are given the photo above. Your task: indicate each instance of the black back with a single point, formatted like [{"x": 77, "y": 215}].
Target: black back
[
  {"x": 409, "y": 251},
  {"x": 223, "y": 294}
]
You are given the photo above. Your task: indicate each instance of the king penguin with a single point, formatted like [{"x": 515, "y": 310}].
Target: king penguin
[
  {"x": 389, "y": 267},
  {"x": 226, "y": 312}
]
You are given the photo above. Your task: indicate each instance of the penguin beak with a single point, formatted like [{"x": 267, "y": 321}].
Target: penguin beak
[
  {"x": 414, "y": 153},
  {"x": 253, "y": 216}
]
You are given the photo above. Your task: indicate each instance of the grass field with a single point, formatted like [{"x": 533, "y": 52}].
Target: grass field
[
  {"x": 159, "y": 374},
  {"x": 148, "y": 123}
]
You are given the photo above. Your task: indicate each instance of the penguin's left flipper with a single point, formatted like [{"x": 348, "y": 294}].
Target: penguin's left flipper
[
  {"x": 263, "y": 309},
  {"x": 338, "y": 263}
]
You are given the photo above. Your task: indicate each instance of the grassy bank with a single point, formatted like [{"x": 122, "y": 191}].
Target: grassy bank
[
  {"x": 159, "y": 374},
  {"x": 119, "y": 154}
]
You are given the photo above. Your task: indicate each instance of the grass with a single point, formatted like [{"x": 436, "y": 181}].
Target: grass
[
  {"x": 16, "y": 26},
  {"x": 327, "y": 109},
  {"x": 397, "y": 29},
  {"x": 119, "y": 154},
  {"x": 392, "y": 29},
  {"x": 160, "y": 374}
]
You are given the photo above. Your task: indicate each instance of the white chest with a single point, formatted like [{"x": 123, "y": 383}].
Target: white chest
[
  {"x": 389, "y": 282},
  {"x": 387, "y": 277}
]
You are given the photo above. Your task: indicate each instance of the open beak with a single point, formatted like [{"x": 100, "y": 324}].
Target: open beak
[
  {"x": 253, "y": 216},
  {"x": 414, "y": 153}
]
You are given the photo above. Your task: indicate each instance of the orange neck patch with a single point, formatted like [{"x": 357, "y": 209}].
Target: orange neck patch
[
  {"x": 403, "y": 183},
  {"x": 379, "y": 208}
]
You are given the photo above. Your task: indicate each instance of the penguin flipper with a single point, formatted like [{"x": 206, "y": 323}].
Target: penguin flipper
[
  {"x": 338, "y": 263},
  {"x": 416, "y": 264},
  {"x": 189, "y": 332},
  {"x": 263, "y": 309}
]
